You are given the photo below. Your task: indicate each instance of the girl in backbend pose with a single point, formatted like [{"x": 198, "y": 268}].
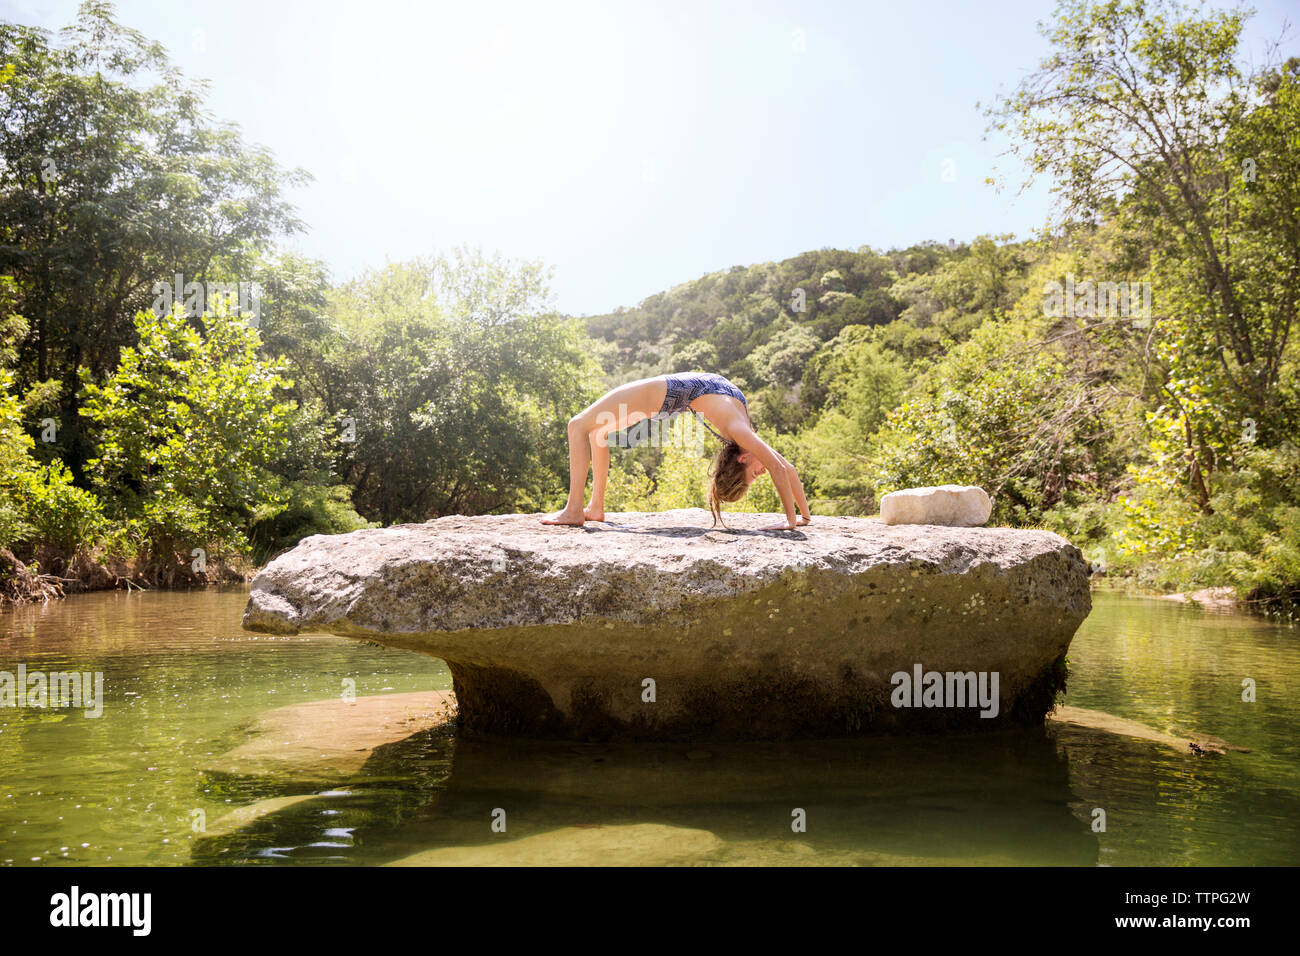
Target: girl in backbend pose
[{"x": 743, "y": 456}]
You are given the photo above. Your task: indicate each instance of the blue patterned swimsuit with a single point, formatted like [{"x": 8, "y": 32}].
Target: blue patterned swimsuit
[{"x": 684, "y": 389}]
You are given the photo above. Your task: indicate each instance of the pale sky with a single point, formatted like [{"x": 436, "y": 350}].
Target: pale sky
[{"x": 630, "y": 146}]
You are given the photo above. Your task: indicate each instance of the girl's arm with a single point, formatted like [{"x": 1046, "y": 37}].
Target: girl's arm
[
  {"x": 796, "y": 486},
  {"x": 799, "y": 496},
  {"x": 784, "y": 477}
]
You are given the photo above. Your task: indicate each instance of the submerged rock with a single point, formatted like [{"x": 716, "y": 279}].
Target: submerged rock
[
  {"x": 1122, "y": 726},
  {"x": 327, "y": 740},
  {"x": 246, "y": 816},
  {"x": 652, "y": 625},
  {"x": 637, "y": 844}
]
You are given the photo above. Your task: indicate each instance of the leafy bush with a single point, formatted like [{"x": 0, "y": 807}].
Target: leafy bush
[
  {"x": 189, "y": 427},
  {"x": 1002, "y": 412},
  {"x": 15, "y": 463},
  {"x": 309, "y": 509},
  {"x": 57, "y": 513},
  {"x": 1248, "y": 540}
]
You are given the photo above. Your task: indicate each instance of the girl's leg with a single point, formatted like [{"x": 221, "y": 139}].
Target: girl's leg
[
  {"x": 579, "y": 459},
  {"x": 618, "y": 409},
  {"x": 595, "y": 511}
]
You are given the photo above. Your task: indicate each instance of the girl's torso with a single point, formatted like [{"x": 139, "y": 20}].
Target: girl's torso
[{"x": 684, "y": 388}]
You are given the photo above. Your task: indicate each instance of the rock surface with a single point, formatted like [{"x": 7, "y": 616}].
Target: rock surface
[
  {"x": 652, "y": 626},
  {"x": 958, "y": 506}
]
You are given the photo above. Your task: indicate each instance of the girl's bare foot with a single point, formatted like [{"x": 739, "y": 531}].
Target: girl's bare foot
[
  {"x": 565, "y": 517},
  {"x": 590, "y": 515}
]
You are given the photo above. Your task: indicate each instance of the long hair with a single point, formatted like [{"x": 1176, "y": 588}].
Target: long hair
[{"x": 728, "y": 482}]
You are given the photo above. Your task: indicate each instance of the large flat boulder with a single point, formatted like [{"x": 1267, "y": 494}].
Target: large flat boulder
[{"x": 653, "y": 626}]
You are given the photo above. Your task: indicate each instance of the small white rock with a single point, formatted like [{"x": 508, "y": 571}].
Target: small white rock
[{"x": 962, "y": 506}]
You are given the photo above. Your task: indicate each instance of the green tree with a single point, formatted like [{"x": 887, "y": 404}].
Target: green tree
[
  {"x": 1143, "y": 113},
  {"x": 455, "y": 383},
  {"x": 193, "y": 425},
  {"x": 1028, "y": 422},
  {"x": 113, "y": 177},
  {"x": 865, "y": 383}
]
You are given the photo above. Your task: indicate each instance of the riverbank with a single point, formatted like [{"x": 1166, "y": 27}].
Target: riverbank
[
  {"x": 1222, "y": 598},
  {"x": 48, "y": 575}
]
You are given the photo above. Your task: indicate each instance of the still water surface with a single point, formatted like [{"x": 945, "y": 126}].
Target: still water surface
[{"x": 185, "y": 685}]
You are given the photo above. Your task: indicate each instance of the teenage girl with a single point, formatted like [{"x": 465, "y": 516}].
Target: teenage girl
[{"x": 743, "y": 456}]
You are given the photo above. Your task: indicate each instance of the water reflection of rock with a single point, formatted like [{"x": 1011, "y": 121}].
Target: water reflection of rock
[
  {"x": 430, "y": 799},
  {"x": 991, "y": 799}
]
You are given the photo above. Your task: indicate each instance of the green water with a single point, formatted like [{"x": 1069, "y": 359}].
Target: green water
[{"x": 184, "y": 684}]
